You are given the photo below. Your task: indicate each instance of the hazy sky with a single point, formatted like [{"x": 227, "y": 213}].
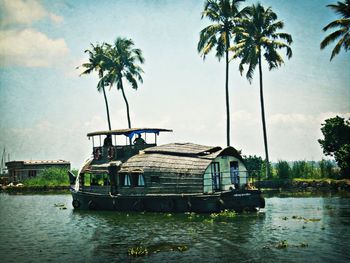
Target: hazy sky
[{"x": 46, "y": 109}]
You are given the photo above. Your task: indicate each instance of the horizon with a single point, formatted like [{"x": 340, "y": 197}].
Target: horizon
[{"x": 47, "y": 109}]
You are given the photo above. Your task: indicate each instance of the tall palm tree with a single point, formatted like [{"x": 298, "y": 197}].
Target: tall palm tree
[
  {"x": 97, "y": 63},
  {"x": 257, "y": 36},
  {"x": 122, "y": 63},
  {"x": 343, "y": 28},
  {"x": 224, "y": 15}
]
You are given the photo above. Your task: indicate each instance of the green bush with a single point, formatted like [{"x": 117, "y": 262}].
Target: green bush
[{"x": 49, "y": 177}]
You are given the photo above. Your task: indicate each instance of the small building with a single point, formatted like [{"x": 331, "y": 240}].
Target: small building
[{"x": 20, "y": 170}]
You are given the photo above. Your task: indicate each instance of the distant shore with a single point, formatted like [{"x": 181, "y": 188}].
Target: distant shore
[
  {"x": 306, "y": 185},
  {"x": 293, "y": 186},
  {"x": 34, "y": 189}
]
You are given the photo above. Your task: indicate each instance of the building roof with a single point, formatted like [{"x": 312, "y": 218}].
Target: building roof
[
  {"x": 39, "y": 162},
  {"x": 129, "y": 132}
]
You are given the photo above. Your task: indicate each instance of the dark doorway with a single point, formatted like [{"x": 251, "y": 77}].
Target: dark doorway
[
  {"x": 215, "y": 175},
  {"x": 234, "y": 173}
]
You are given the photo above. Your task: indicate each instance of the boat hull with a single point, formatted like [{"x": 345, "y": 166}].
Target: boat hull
[{"x": 237, "y": 200}]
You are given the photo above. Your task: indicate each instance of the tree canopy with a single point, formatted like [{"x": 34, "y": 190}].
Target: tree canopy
[
  {"x": 256, "y": 36},
  {"x": 122, "y": 62},
  {"x": 341, "y": 26},
  {"x": 224, "y": 15},
  {"x": 97, "y": 62},
  {"x": 336, "y": 142}
]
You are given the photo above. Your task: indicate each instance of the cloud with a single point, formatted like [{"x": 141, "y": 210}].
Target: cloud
[
  {"x": 30, "y": 48},
  {"x": 303, "y": 119},
  {"x": 24, "y": 12}
]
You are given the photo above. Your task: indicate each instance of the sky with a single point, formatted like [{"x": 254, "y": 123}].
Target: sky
[{"x": 46, "y": 108}]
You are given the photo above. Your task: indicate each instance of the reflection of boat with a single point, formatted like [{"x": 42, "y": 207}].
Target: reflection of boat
[{"x": 175, "y": 177}]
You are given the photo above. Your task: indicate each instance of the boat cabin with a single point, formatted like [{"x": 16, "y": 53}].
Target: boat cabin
[{"x": 140, "y": 167}]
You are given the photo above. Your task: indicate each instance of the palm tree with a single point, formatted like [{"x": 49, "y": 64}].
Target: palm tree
[
  {"x": 343, "y": 28},
  {"x": 122, "y": 62},
  {"x": 257, "y": 35},
  {"x": 97, "y": 63},
  {"x": 224, "y": 15}
]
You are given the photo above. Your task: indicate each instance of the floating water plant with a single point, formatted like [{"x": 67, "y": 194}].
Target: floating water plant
[
  {"x": 306, "y": 219},
  {"x": 312, "y": 219},
  {"x": 182, "y": 248},
  {"x": 138, "y": 251},
  {"x": 59, "y": 205},
  {"x": 303, "y": 244},
  {"x": 223, "y": 216},
  {"x": 208, "y": 221},
  {"x": 297, "y": 217},
  {"x": 282, "y": 244},
  {"x": 164, "y": 247}
]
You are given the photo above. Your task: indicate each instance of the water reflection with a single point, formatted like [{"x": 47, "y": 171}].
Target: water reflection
[
  {"x": 117, "y": 232},
  {"x": 35, "y": 229}
]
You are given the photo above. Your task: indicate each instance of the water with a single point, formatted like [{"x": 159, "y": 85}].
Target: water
[{"x": 33, "y": 229}]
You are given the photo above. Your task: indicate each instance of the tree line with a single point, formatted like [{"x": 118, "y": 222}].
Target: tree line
[
  {"x": 284, "y": 170},
  {"x": 335, "y": 143}
]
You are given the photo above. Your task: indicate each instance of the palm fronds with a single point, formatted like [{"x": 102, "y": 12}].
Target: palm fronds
[{"x": 342, "y": 34}]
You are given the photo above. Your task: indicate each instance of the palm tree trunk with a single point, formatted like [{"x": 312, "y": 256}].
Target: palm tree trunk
[
  {"x": 107, "y": 109},
  {"x": 263, "y": 120},
  {"x": 227, "y": 95},
  {"x": 127, "y": 104}
]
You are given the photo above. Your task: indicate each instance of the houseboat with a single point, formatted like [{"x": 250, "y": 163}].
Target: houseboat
[{"x": 129, "y": 172}]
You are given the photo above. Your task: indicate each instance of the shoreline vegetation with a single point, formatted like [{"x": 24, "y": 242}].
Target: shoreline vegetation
[{"x": 56, "y": 181}]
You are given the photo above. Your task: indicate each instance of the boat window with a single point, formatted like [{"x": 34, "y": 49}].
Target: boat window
[
  {"x": 132, "y": 180},
  {"x": 141, "y": 180},
  {"x": 122, "y": 179},
  {"x": 137, "y": 180},
  {"x": 96, "y": 179},
  {"x": 127, "y": 180}
]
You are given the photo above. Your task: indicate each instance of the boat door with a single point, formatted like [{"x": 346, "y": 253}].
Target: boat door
[
  {"x": 215, "y": 176},
  {"x": 234, "y": 173}
]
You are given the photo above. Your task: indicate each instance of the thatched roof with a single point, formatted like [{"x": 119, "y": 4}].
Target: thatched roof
[
  {"x": 127, "y": 132},
  {"x": 189, "y": 149},
  {"x": 187, "y": 158}
]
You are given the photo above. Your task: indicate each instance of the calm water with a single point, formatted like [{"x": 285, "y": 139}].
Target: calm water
[{"x": 33, "y": 229}]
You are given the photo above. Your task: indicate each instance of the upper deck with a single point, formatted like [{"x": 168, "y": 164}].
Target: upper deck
[{"x": 107, "y": 148}]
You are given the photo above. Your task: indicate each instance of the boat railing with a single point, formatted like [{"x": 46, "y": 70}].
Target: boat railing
[
  {"x": 118, "y": 152},
  {"x": 238, "y": 178},
  {"x": 98, "y": 189}
]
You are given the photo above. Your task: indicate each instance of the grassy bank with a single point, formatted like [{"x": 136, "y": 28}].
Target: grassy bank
[
  {"x": 51, "y": 180},
  {"x": 52, "y": 177},
  {"x": 301, "y": 184}
]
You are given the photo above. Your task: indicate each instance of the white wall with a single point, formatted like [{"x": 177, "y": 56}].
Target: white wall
[{"x": 224, "y": 163}]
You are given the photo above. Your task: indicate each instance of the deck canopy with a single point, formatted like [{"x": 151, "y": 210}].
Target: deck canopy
[{"x": 129, "y": 132}]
